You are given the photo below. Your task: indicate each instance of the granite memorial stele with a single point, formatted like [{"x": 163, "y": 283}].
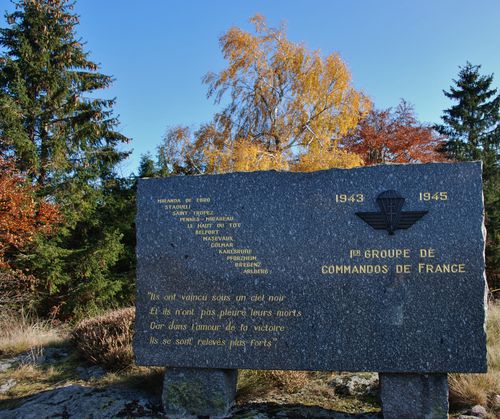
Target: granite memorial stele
[{"x": 369, "y": 269}]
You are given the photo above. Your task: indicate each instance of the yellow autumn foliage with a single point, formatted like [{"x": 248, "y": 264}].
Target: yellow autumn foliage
[
  {"x": 243, "y": 156},
  {"x": 323, "y": 156},
  {"x": 286, "y": 107}
]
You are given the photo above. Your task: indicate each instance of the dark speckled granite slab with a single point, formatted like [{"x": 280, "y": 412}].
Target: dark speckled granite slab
[{"x": 270, "y": 270}]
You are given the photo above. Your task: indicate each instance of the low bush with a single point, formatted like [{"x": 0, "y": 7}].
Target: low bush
[{"x": 106, "y": 339}]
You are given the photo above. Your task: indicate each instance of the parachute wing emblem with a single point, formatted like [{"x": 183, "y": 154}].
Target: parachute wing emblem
[
  {"x": 391, "y": 217},
  {"x": 375, "y": 219},
  {"x": 408, "y": 218}
]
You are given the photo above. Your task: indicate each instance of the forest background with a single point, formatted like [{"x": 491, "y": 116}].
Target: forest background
[{"x": 67, "y": 238}]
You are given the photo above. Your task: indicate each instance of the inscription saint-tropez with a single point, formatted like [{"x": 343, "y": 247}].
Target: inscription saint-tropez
[{"x": 272, "y": 270}]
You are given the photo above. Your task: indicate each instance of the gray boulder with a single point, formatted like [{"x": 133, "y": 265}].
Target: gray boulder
[
  {"x": 5, "y": 387},
  {"x": 478, "y": 411},
  {"x": 355, "y": 385},
  {"x": 85, "y": 403}
]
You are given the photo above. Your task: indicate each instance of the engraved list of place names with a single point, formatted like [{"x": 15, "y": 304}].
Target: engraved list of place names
[{"x": 217, "y": 231}]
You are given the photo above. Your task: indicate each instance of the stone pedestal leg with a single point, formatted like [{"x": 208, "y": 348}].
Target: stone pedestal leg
[
  {"x": 193, "y": 392},
  {"x": 414, "y": 396}
]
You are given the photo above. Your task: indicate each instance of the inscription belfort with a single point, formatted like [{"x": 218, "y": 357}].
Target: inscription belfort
[{"x": 272, "y": 270}]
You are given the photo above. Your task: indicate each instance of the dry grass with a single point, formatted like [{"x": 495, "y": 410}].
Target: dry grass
[
  {"x": 299, "y": 388},
  {"x": 472, "y": 389},
  {"x": 31, "y": 378},
  {"x": 31, "y": 372},
  {"x": 107, "y": 339},
  {"x": 261, "y": 382},
  {"x": 22, "y": 332}
]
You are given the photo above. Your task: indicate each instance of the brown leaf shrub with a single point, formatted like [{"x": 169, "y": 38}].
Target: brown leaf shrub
[
  {"x": 107, "y": 339},
  {"x": 22, "y": 216}
]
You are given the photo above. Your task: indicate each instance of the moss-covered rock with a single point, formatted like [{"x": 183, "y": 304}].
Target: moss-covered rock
[{"x": 198, "y": 392}]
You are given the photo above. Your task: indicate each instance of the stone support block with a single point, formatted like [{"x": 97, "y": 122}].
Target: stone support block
[
  {"x": 414, "y": 396},
  {"x": 194, "y": 392}
]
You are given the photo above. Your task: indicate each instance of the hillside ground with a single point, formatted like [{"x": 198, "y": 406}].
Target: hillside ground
[{"x": 41, "y": 360}]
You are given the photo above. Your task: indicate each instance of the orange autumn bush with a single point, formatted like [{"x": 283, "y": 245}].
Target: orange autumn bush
[{"x": 22, "y": 215}]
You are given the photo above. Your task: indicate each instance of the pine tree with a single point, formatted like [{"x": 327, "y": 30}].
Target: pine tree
[
  {"x": 147, "y": 166},
  {"x": 59, "y": 132},
  {"x": 472, "y": 129},
  {"x": 472, "y": 125}
]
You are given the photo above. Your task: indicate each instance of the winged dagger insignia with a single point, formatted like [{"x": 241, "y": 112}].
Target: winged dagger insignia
[{"x": 390, "y": 217}]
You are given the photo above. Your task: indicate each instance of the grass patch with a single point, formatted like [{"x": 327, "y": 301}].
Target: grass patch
[
  {"x": 32, "y": 379},
  {"x": 256, "y": 382},
  {"x": 299, "y": 388},
  {"x": 471, "y": 389},
  {"x": 22, "y": 332}
]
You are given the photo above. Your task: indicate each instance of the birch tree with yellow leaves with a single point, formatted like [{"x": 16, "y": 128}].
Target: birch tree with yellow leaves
[{"x": 287, "y": 108}]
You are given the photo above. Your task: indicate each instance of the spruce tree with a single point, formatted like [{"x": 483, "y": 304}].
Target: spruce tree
[
  {"x": 472, "y": 129},
  {"x": 147, "y": 166},
  {"x": 58, "y": 131},
  {"x": 471, "y": 125}
]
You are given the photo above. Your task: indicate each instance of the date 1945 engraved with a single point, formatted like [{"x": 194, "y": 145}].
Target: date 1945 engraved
[{"x": 433, "y": 196}]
